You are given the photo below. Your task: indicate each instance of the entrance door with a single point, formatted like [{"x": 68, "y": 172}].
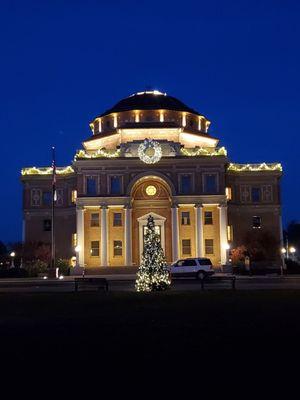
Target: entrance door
[
  {"x": 159, "y": 222},
  {"x": 157, "y": 229}
]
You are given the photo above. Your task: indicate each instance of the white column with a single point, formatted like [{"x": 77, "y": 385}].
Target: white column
[
  {"x": 223, "y": 233},
  {"x": 199, "y": 230},
  {"x": 175, "y": 233},
  {"x": 80, "y": 235},
  {"x": 128, "y": 237},
  {"x": 103, "y": 239}
]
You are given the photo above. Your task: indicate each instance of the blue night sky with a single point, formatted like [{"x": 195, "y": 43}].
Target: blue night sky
[{"x": 64, "y": 62}]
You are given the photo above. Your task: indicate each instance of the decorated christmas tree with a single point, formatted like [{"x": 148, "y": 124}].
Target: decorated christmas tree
[{"x": 152, "y": 274}]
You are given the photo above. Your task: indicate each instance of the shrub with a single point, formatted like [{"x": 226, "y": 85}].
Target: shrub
[
  {"x": 63, "y": 265},
  {"x": 35, "y": 268},
  {"x": 293, "y": 267}
]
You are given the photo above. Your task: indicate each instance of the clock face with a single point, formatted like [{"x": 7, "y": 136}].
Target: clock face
[{"x": 151, "y": 190}]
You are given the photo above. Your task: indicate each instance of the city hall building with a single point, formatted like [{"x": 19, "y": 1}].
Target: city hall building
[{"x": 150, "y": 154}]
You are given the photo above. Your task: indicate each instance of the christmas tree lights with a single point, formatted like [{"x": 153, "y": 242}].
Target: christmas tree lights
[{"x": 153, "y": 274}]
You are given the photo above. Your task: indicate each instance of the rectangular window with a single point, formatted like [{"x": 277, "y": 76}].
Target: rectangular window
[
  {"x": 36, "y": 197},
  {"x": 95, "y": 248},
  {"x": 74, "y": 240},
  {"x": 117, "y": 219},
  {"x": 228, "y": 193},
  {"x": 59, "y": 197},
  {"x": 210, "y": 183},
  {"x": 117, "y": 248},
  {"x": 74, "y": 196},
  {"x": 185, "y": 218},
  {"x": 186, "y": 246},
  {"x": 91, "y": 189},
  {"x": 256, "y": 222},
  {"x": 209, "y": 246},
  {"x": 208, "y": 218},
  {"x": 47, "y": 198},
  {"x": 229, "y": 233},
  {"x": 115, "y": 185},
  {"x": 255, "y": 194},
  {"x": 95, "y": 219},
  {"x": 186, "y": 184},
  {"x": 47, "y": 225}
]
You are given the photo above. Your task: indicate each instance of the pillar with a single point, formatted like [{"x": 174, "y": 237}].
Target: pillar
[
  {"x": 80, "y": 235},
  {"x": 128, "y": 237},
  {"x": 199, "y": 230},
  {"x": 223, "y": 233},
  {"x": 175, "y": 233},
  {"x": 103, "y": 238}
]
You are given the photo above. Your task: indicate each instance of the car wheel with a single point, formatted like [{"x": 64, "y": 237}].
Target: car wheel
[{"x": 201, "y": 275}]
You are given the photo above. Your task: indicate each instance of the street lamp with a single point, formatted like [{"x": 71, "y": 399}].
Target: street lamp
[
  {"x": 226, "y": 247},
  {"x": 77, "y": 250},
  {"x": 292, "y": 250},
  {"x": 12, "y": 254}
]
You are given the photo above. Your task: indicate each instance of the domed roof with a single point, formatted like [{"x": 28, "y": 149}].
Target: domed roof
[{"x": 149, "y": 100}]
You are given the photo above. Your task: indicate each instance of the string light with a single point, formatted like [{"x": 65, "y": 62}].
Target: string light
[
  {"x": 204, "y": 152},
  {"x": 254, "y": 167}
]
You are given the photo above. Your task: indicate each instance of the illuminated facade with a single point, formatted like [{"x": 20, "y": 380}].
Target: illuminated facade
[{"x": 151, "y": 154}]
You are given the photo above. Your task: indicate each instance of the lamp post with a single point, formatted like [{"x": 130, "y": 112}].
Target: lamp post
[
  {"x": 226, "y": 247},
  {"x": 292, "y": 250},
  {"x": 12, "y": 255},
  {"x": 77, "y": 250},
  {"x": 283, "y": 266}
]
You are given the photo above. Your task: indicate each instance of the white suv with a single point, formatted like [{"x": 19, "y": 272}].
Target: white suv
[{"x": 199, "y": 268}]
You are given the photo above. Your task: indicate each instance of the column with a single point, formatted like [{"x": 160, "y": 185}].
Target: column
[
  {"x": 175, "y": 233},
  {"x": 128, "y": 237},
  {"x": 199, "y": 230},
  {"x": 80, "y": 235},
  {"x": 103, "y": 239},
  {"x": 223, "y": 233}
]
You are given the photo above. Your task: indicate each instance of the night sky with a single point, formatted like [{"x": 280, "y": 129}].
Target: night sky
[{"x": 64, "y": 62}]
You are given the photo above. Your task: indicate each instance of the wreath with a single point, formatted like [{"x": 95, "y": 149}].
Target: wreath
[{"x": 150, "y": 151}]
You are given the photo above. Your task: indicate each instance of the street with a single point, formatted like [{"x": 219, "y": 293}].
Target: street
[{"x": 126, "y": 283}]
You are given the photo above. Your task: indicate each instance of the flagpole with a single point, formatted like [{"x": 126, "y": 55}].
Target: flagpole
[{"x": 53, "y": 210}]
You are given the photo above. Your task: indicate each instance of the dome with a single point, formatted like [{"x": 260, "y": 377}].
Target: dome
[{"x": 149, "y": 100}]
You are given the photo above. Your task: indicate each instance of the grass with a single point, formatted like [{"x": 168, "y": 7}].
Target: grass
[{"x": 157, "y": 327}]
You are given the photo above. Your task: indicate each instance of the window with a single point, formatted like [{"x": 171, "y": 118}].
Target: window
[
  {"x": 210, "y": 183},
  {"x": 186, "y": 246},
  {"x": 36, "y": 197},
  {"x": 255, "y": 194},
  {"x": 185, "y": 183},
  {"x": 95, "y": 248},
  {"x": 117, "y": 219},
  {"x": 47, "y": 225},
  {"x": 209, "y": 246},
  {"x": 189, "y": 263},
  {"x": 228, "y": 193},
  {"x": 115, "y": 185},
  {"x": 204, "y": 261},
  {"x": 74, "y": 240},
  {"x": 267, "y": 193},
  {"x": 95, "y": 219},
  {"x": 229, "y": 233},
  {"x": 91, "y": 185},
  {"x": 74, "y": 196},
  {"x": 47, "y": 198},
  {"x": 256, "y": 222},
  {"x": 208, "y": 218},
  {"x": 185, "y": 218},
  {"x": 107, "y": 123},
  {"x": 59, "y": 197},
  {"x": 117, "y": 248}
]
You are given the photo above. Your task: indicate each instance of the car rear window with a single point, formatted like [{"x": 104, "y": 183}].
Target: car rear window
[{"x": 205, "y": 261}]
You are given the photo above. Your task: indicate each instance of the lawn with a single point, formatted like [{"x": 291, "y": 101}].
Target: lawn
[{"x": 118, "y": 328}]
